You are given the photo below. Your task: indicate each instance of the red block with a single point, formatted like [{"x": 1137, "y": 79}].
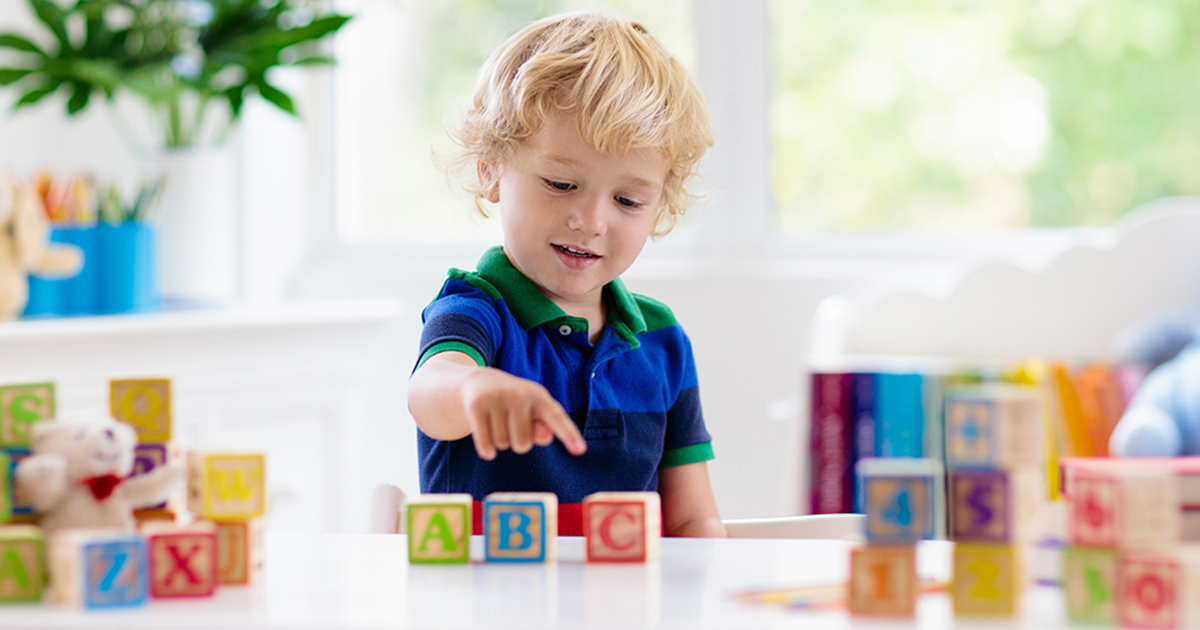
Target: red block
[
  {"x": 622, "y": 526},
  {"x": 183, "y": 560}
]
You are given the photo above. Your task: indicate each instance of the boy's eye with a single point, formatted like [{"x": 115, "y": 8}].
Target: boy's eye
[
  {"x": 627, "y": 202},
  {"x": 559, "y": 185}
]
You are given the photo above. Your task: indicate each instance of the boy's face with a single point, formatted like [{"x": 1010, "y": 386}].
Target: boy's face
[{"x": 574, "y": 218}]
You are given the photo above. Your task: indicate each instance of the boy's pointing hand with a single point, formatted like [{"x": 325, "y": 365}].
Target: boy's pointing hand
[{"x": 508, "y": 412}]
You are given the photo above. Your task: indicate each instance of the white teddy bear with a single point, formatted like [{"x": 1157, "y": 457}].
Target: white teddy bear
[{"x": 78, "y": 475}]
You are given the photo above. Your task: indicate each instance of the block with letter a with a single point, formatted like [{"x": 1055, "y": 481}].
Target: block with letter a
[
  {"x": 622, "y": 526},
  {"x": 144, "y": 403},
  {"x": 520, "y": 527},
  {"x": 22, "y": 563},
  {"x": 438, "y": 527},
  {"x": 227, "y": 486},
  {"x": 183, "y": 559}
]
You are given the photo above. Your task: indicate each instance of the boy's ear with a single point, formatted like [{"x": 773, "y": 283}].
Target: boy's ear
[{"x": 489, "y": 182}]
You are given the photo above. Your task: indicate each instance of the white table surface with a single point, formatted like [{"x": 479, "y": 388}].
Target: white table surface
[{"x": 365, "y": 581}]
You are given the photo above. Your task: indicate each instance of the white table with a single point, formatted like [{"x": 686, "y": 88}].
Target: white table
[{"x": 365, "y": 581}]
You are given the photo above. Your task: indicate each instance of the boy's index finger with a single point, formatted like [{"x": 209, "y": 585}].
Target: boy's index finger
[{"x": 560, "y": 424}]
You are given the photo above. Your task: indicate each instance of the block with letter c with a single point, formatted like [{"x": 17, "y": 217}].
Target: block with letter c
[{"x": 622, "y": 526}]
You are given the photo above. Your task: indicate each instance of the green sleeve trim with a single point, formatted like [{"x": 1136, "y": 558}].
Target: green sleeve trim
[
  {"x": 693, "y": 454},
  {"x": 656, "y": 314},
  {"x": 456, "y": 346}
]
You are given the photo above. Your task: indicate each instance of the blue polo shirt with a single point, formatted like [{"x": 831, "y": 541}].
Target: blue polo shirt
[{"x": 633, "y": 395}]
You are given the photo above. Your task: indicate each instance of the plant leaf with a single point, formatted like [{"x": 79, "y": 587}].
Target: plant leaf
[
  {"x": 34, "y": 96},
  {"x": 16, "y": 42},
  {"x": 54, "y": 18},
  {"x": 276, "y": 97},
  {"x": 8, "y": 76},
  {"x": 313, "y": 60},
  {"x": 80, "y": 94}
]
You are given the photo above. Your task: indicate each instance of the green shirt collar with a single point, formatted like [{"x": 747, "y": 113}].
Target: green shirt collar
[{"x": 532, "y": 308}]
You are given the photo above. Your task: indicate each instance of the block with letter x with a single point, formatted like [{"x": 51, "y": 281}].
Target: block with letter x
[
  {"x": 183, "y": 559},
  {"x": 520, "y": 526},
  {"x": 622, "y": 526},
  {"x": 227, "y": 486},
  {"x": 438, "y": 528}
]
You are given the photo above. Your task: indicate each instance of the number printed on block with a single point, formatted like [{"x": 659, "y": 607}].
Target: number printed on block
[
  {"x": 1089, "y": 584},
  {"x": 986, "y": 580},
  {"x": 1148, "y": 592},
  {"x": 22, "y": 563},
  {"x": 520, "y": 527},
  {"x": 438, "y": 527},
  {"x": 144, "y": 403},
  {"x": 239, "y": 551},
  {"x": 183, "y": 560},
  {"x": 883, "y": 580},
  {"x": 622, "y": 526},
  {"x": 1095, "y": 506},
  {"x": 20, "y": 407},
  {"x": 980, "y": 506},
  {"x": 227, "y": 486},
  {"x": 899, "y": 499}
]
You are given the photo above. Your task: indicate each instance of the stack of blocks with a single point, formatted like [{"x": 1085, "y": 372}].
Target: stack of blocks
[
  {"x": 523, "y": 527},
  {"x": 169, "y": 557},
  {"x": 1124, "y": 562},
  {"x": 903, "y": 501},
  {"x": 995, "y": 444}
]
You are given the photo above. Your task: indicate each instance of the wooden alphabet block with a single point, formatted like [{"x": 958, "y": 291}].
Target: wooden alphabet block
[
  {"x": 19, "y": 510},
  {"x": 1090, "y": 585},
  {"x": 996, "y": 506},
  {"x": 99, "y": 568},
  {"x": 1149, "y": 591},
  {"x": 901, "y": 499},
  {"x": 183, "y": 559},
  {"x": 239, "y": 551},
  {"x": 987, "y": 580},
  {"x": 227, "y": 486},
  {"x": 883, "y": 580},
  {"x": 995, "y": 426},
  {"x": 7, "y": 489},
  {"x": 22, "y": 563},
  {"x": 20, "y": 407},
  {"x": 1130, "y": 506},
  {"x": 144, "y": 403},
  {"x": 147, "y": 457},
  {"x": 520, "y": 527},
  {"x": 622, "y": 526},
  {"x": 439, "y": 528}
]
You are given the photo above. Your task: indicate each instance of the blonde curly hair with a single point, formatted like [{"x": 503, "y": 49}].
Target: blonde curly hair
[{"x": 626, "y": 90}]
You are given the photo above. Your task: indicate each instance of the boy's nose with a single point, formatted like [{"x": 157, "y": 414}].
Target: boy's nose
[{"x": 588, "y": 217}]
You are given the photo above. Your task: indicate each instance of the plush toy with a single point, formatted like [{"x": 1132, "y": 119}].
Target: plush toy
[
  {"x": 24, "y": 249},
  {"x": 78, "y": 475},
  {"x": 1163, "y": 418}
]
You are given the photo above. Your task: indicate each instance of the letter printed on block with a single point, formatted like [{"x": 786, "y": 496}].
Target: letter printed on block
[
  {"x": 1089, "y": 584},
  {"x": 22, "y": 563},
  {"x": 986, "y": 580},
  {"x": 144, "y": 403},
  {"x": 20, "y": 407},
  {"x": 622, "y": 526},
  {"x": 183, "y": 560},
  {"x": 438, "y": 527},
  {"x": 99, "y": 568},
  {"x": 227, "y": 486},
  {"x": 520, "y": 527},
  {"x": 239, "y": 551},
  {"x": 883, "y": 580}
]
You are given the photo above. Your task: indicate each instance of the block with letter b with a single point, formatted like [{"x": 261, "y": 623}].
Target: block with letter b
[
  {"x": 987, "y": 580},
  {"x": 901, "y": 499},
  {"x": 1126, "y": 506},
  {"x": 99, "y": 568},
  {"x": 183, "y": 559},
  {"x": 1090, "y": 585},
  {"x": 996, "y": 506},
  {"x": 227, "y": 486},
  {"x": 22, "y": 563},
  {"x": 520, "y": 526},
  {"x": 144, "y": 403},
  {"x": 20, "y": 407},
  {"x": 438, "y": 527},
  {"x": 883, "y": 580},
  {"x": 994, "y": 426},
  {"x": 622, "y": 526}
]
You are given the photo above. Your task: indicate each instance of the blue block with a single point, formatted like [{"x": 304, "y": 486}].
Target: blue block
[
  {"x": 902, "y": 499},
  {"x": 115, "y": 573}
]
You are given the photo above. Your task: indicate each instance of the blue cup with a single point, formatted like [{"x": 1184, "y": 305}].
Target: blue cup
[
  {"x": 66, "y": 296},
  {"x": 127, "y": 276}
]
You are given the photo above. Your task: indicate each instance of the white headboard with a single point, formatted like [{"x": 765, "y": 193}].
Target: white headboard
[{"x": 1073, "y": 309}]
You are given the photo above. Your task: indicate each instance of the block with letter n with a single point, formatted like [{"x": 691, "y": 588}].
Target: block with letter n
[
  {"x": 902, "y": 498},
  {"x": 22, "y": 563},
  {"x": 183, "y": 559},
  {"x": 20, "y": 407},
  {"x": 144, "y": 403},
  {"x": 227, "y": 486},
  {"x": 622, "y": 526},
  {"x": 520, "y": 526},
  {"x": 99, "y": 568},
  {"x": 438, "y": 527}
]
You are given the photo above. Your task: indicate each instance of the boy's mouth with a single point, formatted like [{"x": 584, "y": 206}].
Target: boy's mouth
[{"x": 578, "y": 253}]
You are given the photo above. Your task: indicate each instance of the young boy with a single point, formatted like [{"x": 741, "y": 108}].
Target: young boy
[{"x": 584, "y": 131}]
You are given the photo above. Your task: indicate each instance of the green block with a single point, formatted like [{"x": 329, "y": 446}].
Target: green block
[
  {"x": 6, "y": 489},
  {"x": 1089, "y": 584},
  {"x": 439, "y": 528},
  {"x": 22, "y": 563},
  {"x": 20, "y": 407}
]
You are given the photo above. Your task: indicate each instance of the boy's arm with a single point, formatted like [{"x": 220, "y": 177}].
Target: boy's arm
[
  {"x": 450, "y": 397},
  {"x": 689, "y": 507}
]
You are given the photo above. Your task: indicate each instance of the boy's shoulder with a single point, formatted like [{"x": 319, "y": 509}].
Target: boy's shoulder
[
  {"x": 472, "y": 278},
  {"x": 655, "y": 313}
]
